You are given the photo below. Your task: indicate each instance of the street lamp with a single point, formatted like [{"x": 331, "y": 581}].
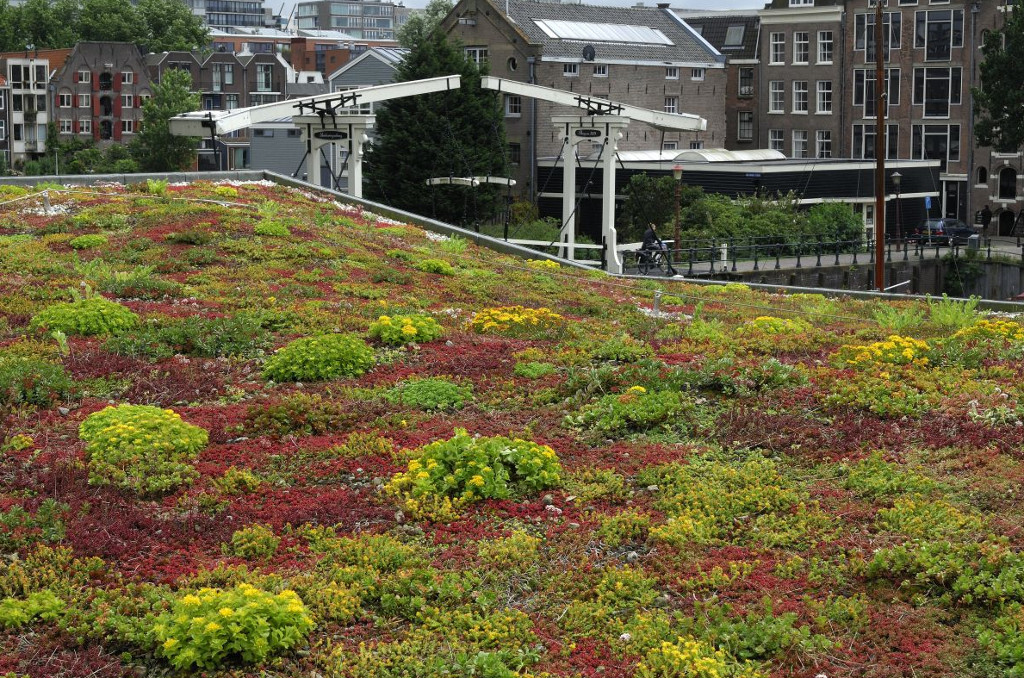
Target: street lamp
[
  {"x": 677, "y": 174},
  {"x": 897, "y": 178}
]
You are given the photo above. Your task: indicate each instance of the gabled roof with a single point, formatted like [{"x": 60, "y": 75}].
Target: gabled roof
[
  {"x": 390, "y": 56},
  {"x": 56, "y": 57},
  {"x": 617, "y": 34},
  {"x": 732, "y": 34}
]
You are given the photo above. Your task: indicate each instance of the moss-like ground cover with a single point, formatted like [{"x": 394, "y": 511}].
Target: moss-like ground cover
[{"x": 554, "y": 480}]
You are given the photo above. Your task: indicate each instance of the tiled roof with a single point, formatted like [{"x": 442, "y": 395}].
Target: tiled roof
[
  {"x": 686, "y": 46},
  {"x": 716, "y": 30}
]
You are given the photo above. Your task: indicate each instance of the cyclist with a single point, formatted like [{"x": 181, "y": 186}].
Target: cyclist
[{"x": 652, "y": 243}]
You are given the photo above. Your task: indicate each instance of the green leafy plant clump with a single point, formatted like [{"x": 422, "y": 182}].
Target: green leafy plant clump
[
  {"x": 430, "y": 394},
  {"x": 95, "y": 315},
  {"x": 438, "y": 266},
  {"x": 271, "y": 228},
  {"x": 207, "y": 629},
  {"x": 635, "y": 410},
  {"x": 141, "y": 448},
  {"x": 466, "y": 468},
  {"x": 88, "y": 241},
  {"x": 399, "y": 330},
  {"x": 33, "y": 381},
  {"x": 320, "y": 358}
]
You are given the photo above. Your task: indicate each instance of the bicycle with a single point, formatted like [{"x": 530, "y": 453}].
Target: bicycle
[{"x": 654, "y": 260}]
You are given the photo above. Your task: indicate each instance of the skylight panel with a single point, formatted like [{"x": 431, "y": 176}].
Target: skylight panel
[
  {"x": 734, "y": 36},
  {"x": 595, "y": 32}
]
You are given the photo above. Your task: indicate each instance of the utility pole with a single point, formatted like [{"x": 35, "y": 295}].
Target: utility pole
[{"x": 881, "y": 106}]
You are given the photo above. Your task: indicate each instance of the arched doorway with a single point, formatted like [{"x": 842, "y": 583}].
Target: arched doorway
[
  {"x": 106, "y": 129},
  {"x": 1007, "y": 184},
  {"x": 1006, "y": 222}
]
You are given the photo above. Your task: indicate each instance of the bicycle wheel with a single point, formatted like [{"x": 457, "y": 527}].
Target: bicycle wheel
[
  {"x": 661, "y": 263},
  {"x": 643, "y": 263}
]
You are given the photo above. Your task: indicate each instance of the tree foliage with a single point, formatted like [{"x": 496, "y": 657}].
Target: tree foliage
[
  {"x": 78, "y": 155},
  {"x": 421, "y": 24},
  {"x": 652, "y": 200},
  {"x": 457, "y": 133},
  {"x": 999, "y": 102},
  {"x": 49, "y": 24},
  {"x": 154, "y": 148}
]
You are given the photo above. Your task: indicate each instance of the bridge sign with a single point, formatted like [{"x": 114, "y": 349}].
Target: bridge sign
[{"x": 331, "y": 134}]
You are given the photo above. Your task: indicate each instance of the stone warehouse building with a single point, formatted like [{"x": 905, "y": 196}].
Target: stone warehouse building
[{"x": 647, "y": 57}]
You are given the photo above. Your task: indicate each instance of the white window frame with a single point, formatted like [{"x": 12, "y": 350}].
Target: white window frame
[
  {"x": 955, "y": 96},
  {"x": 801, "y": 97},
  {"x": 796, "y": 136},
  {"x": 478, "y": 54},
  {"x": 600, "y": 70},
  {"x": 777, "y": 140},
  {"x": 823, "y": 96},
  {"x": 513, "y": 106},
  {"x": 776, "y": 49},
  {"x": 127, "y": 77},
  {"x": 3, "y": 129},
  {"x": 801, "y": 3},
  {"x": 671, "y": 104},
  {"x": 671, "y": 72},
  {"x": 570, "y": 70},
  {"x": 777, "y": 96},
  {"x": 670, "y": 145},
  {"x": 127, "y": 101},
  {"x": 801, "y": 47},
  {"x": 127, "y": 127},
  {"x": 697, "y": 74},
  {"x": 84, "y": 76},
  {"x": 84, "y": 101},
  {"x": 64, "y": 100},
  {"x": 85, "y": 126},
  {"x": 67, "y": 126},
  {"x": 745, "y": 129},
  {"x": 264, "y": 78},
  {"x": 696, "y": 144},
  {"x": 823, "y": 141},
  {"x": 826, "y": 38}
]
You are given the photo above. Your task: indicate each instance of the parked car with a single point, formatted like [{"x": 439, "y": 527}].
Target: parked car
[{"x": 942, "y": 232}]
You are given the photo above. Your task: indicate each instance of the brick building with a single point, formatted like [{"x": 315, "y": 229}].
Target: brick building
[
  {"x": 643, "y": 56},
  {"x": 99, "y": 92}
]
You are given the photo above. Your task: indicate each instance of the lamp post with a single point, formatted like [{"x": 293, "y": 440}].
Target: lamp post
[
  {"x": 677, "y": 174},
  {"x": 897, "y": 179}
]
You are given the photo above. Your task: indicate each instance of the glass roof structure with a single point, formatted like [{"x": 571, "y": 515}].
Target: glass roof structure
[{"x": 595, "y": 32}]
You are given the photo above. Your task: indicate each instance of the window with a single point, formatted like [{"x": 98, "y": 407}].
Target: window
[
  {"x": 801, "y": 47},
  {"x": 513, "y": 106},
  {"x": 83, "y": 101},
  {"x": 127, "y": 101},
  {"x": 746, "y": 82},
  {"x": 514, "y": 154},
  {"x": 935, "y": 142},
  {"x": 776, "y": 96},
  {"x": 65, "y": 126},
  {"x": 670, "y": 146},
  {"x": 262, "y": 132},
  {"x": 478, "y": 55},
  {"x": 864, "y": 141},
  {"x": 824, "y": 96},
  {"x": 64, "y": 100},
  {"x": 600, "y": 70},
  {"x": 864, "y": 89},
  {"x": 231, "y": 102},
  {"x": 85, "y": 126},
  {"x": 264, "y": 77},
  {"x": 16, "y": 102},
  {"x": 40, "y": 102},
  {"x": 84, "y": 76},
  {"x": 936, "y": 89},
  {"x": 1008, "y": 184},
  {"x": 776, "y": 140},
  {"x": 223, "y": 74},
  {"x": 19, "y": 131},
  {"x": 570, "y": 70},
  {"x": 800, "y": 104},
  {"x": 697, "y": 74},
  {"x": 825, "y": 47},
  {"x": 696, "y": 144},
  {"x": 745, "y": 128},
  {"x": 41, "y": 76},
  {"x": 801, "y": 3},
  {"x": 938, "y": 31},
  {"x": 672, "y": 73},
  {"x": 799, "y": 143},
  {"x": 823, "y": 144},
  {"x": 127, "y": 77},
  {"x": 127, "y": 126},
  {"x": 733, "y": 37},
  {"x": 16, "y": 79},
  {"x": 3, "y": 129},
  {"x": 864, "y": 34},
  {"x": 671, "y": 104},
  {"x": 778, "y": 48},
  {"x": 982, "y": 176}
]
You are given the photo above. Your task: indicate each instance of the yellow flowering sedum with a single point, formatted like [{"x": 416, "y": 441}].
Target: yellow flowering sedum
[
  {"x": 513, "y": 320},
  {"x": 691, "y": 658},
  {"x": 895, "y": 350}
]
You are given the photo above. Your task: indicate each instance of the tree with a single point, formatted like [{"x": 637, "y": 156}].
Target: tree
[
  {"x": 999, "y": 102},
  {"x": 170, "y": 25},
  {"x": 154, "y": 148},
  {"x": 421, "y": 24},
  {"x": 651, "y": 200},
  {"x": 457, "y": 133},
  {"x": 109, "y": 20}
]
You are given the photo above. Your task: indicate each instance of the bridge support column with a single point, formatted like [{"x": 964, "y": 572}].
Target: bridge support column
[
  {"x": 602, "y": 131},
  {"x": 318, "y": 131}
]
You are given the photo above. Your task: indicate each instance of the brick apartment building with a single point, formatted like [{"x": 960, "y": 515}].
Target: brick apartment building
[{"x": 646, "y": 57}]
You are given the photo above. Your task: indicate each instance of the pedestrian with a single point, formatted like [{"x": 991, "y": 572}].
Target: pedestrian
[{"x": 986, "y": 219}]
